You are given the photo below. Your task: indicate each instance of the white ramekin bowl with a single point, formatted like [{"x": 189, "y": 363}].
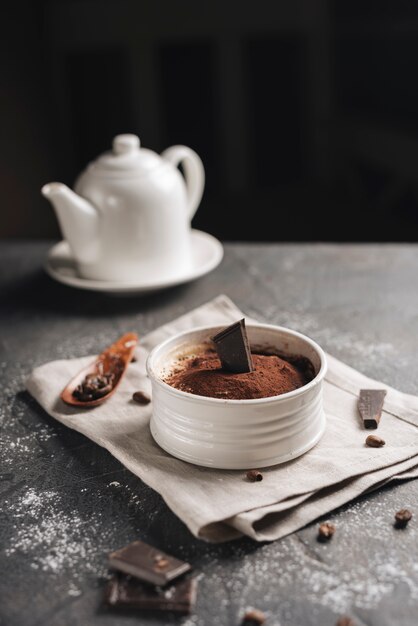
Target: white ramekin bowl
[{"x": 237, "y": 434}]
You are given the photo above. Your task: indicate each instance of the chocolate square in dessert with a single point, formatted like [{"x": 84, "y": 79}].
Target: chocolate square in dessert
[{"x": 233, "y": 348}]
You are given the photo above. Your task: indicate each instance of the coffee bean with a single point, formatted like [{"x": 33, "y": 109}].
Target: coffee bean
[
  {"x": 254, "y": 476},
  {"x": 141, "y": 398},
  {"x": 82, "y": 395},
  {"x": 253, "y": 617},
  {"x": 402, "y": 518},
  {"x": 102, "y": 391},
  {"x": 373, "y": 441},
  {"x": 96, "y": 380},
  {"x": 325, "y": 531},
  {"x": 345, "y": 621},
  {"x": 95, "y": 385},
  {"x": 90, "y": 378}
]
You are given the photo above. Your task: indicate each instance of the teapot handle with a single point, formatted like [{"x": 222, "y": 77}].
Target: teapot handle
[{"x": 194, "y": 173}]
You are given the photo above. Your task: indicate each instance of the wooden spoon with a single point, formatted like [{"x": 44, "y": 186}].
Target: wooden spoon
[{"x": 112, "y": 363}]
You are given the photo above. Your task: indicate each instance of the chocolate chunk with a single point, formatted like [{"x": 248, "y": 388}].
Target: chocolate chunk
[
  {"x": 370, "y": 405},
  {"x": 127, "y": 592},
  {"x": 233, "y": 348},
  {"x": 147, "y": 563}
]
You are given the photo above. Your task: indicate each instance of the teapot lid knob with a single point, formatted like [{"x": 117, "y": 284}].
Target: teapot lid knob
[{"x": 123, "y": 144}]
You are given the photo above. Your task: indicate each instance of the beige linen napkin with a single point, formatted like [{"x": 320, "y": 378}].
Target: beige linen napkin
[{"x": 218, "y": 505}]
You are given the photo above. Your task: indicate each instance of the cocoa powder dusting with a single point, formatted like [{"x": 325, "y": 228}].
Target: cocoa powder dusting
[{"x": 204, "y": 376}]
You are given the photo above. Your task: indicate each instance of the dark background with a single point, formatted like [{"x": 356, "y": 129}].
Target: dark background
[{"x": 304, "y": 112}]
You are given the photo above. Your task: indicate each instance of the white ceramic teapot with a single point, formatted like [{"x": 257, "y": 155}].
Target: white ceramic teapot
[{"x": 129, "y": 217}]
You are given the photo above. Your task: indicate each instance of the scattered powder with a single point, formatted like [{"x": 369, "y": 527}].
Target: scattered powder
[
  {"x": 32, "y": 503},
  {"x": 59, "y": 541},
  {"x": 298, "y": 566},
  {"x": 74, "y": 591},
  {"x": 20, "y": 447},
  {"x": 129, "y": 495},
  {"x": 54, "y": 540},
  {"x": 69, "y": 544}
]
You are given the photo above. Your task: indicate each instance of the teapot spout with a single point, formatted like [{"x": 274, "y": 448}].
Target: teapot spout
[{"x": 78, "y": 220}]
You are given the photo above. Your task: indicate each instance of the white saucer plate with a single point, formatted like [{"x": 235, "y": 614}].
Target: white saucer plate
[{"x": 207, "y": 253}]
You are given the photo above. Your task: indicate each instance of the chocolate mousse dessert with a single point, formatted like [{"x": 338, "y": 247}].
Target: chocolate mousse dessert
[{"x": 205, "y": 372}]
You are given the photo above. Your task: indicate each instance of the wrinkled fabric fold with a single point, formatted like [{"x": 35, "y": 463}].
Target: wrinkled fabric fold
[{"x": 219, "y": 505}]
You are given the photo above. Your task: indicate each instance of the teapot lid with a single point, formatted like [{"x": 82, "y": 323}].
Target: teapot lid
[{"x": 126, "y": 157}]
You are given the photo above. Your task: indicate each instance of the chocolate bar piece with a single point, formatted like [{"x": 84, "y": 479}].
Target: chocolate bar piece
[
  {"x": 147, "y": 563},
  {"x": 233, "y": 348},
  {"x": 370, "y": 406},
  {"x": 127, "y": 592}
]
